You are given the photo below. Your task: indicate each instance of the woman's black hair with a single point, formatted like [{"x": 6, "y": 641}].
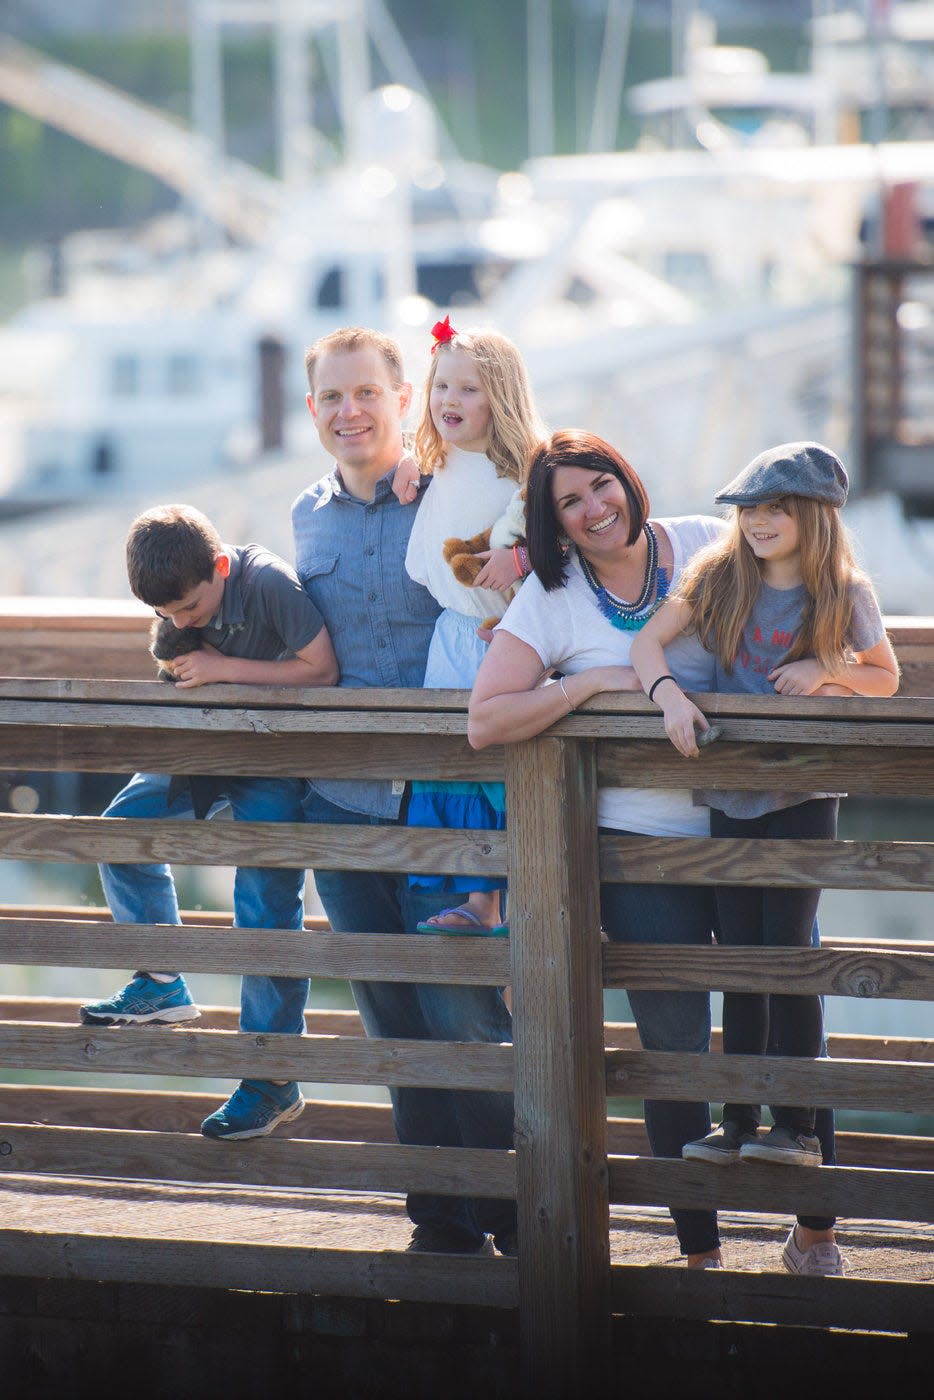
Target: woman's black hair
[{"x": 572, "y": 448}]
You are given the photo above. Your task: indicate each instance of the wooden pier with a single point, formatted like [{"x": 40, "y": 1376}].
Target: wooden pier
[{"x": 120, "y": 1222}]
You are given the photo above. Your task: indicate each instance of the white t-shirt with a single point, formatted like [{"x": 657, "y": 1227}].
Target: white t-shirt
[
  {"x": 569, "y": 633},
  {"x": 465, "y": 497}
]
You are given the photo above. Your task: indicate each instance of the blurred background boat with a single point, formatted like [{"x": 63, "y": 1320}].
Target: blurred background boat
[{"x": 692, "y": 299}]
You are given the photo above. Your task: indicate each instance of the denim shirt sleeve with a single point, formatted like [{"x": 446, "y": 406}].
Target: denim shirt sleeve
[{"x": 350, "y": 557}]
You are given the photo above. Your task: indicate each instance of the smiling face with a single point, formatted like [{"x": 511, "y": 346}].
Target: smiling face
[
  {"x": 771, "y": 532},
  {"x": 592, "y": 509},
  {"x": 358, "y": 412},
  {"x": 460, "y": 409}
]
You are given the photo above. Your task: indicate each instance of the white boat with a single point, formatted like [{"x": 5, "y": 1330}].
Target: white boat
[{"x": 688, "y": 304}]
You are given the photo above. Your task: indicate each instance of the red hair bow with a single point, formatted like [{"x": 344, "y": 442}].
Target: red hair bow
[{"x": 442, "y": 331}]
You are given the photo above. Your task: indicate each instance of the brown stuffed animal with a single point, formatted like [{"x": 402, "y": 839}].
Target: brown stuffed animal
[
  {"x": 460, "y": 555},
  {"x": 166, "y": 642}
]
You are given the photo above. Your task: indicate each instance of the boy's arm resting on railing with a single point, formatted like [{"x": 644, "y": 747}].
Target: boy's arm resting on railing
[
  {"x": 509, "y": 701},
  {"x": 314, "y": 664}
]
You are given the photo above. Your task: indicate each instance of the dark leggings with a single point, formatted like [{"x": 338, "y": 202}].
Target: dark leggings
[{"x": 771, "y": 917}]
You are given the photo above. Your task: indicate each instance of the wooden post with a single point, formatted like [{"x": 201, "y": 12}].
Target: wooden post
[{"x": 561, "y": 1135}]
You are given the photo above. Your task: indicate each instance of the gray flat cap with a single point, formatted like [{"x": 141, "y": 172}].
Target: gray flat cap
[{"x": 793, "y": 469}]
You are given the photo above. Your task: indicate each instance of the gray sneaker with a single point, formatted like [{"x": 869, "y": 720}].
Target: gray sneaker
[
  {"x": 722, "y": 1146},
  {"x": 824, "y": 1258},
  {"x": 782, "y": 1145}
]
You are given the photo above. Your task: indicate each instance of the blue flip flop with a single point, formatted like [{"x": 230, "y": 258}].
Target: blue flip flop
[{"x": 480, "y": 929}]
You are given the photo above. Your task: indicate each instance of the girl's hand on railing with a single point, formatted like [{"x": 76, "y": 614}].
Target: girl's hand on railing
[
  {"x": 682, "y": 720},
  {"x": 799, "y": 677}
]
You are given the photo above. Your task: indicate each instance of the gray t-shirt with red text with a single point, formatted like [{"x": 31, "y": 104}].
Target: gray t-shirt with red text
[{"x": 767, "y": 639}]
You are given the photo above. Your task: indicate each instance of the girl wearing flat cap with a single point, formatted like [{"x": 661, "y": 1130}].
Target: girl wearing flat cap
[{"x": 782, "y": 606}]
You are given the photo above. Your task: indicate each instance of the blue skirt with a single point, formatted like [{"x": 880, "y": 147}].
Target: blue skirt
[{"x": 474, "y": 806}]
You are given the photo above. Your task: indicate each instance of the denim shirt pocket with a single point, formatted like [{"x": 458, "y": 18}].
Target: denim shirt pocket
[{"x": 319, "y": 580}]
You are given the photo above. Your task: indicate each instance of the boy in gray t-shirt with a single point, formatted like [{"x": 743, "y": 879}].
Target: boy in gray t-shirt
[{"x": 257, "y": 625}]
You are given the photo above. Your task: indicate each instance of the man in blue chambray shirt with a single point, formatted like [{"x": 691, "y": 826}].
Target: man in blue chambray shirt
[{"x": 351, "y": 535}]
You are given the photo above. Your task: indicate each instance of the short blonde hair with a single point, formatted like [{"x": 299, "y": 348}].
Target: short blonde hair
[
  {"x": 350, "y": 338},
  {"x": 515, "y": 426}
]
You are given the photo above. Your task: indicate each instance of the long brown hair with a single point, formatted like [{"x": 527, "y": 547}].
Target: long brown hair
[
  {"x": 515, "y": 426},
  {"x": 722, "y": 582}
]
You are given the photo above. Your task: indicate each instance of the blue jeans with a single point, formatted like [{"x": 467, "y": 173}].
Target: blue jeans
[
  {"x": 263, "y": 898},
  {"x": 673, "y": 1021},
  {"x": 383, "y": 902}
]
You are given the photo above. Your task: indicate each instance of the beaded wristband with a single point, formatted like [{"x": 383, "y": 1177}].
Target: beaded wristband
[
  {"x": 520, "y": 557},
  {"x": 656, "y": 683}
]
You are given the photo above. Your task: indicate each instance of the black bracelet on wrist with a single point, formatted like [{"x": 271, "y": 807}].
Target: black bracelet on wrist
[{"x": 656, "y": 683}]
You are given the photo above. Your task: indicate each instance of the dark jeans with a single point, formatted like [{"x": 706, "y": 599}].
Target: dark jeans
[
  {"x": 675, "y": 1021},
  {"x": 384, "y": 902},
  {"x": 772, "y": 917}
]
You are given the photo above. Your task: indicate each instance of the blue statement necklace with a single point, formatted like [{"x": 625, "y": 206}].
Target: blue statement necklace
[{"x": 630, "y": 617}]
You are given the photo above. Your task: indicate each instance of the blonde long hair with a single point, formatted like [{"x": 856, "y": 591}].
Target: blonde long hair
[
  {"x": 515, "y": 426},
  {"x": 721, "y": 584}
]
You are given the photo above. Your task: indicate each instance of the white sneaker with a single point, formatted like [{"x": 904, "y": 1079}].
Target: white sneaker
[{"x": 824, "y": 1258}]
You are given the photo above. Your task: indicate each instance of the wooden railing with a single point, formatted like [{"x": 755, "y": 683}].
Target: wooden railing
[{"x": 569, "y": 1165}]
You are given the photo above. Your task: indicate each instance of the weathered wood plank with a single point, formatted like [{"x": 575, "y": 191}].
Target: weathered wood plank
[
  {"x": 386, "y": 957},
  {"x": 850, "y": 973},
  {"x": 122, "y": 840},
  {"x": 898, "y": 1088},
  {"x": 849, "y": 865},
  {"x": 344, "y": 1273},
  {"x": 165, "y": 1111},
  {"x": 318, "y": 1020},
  {"x": 620, "y": 705},
  {"x": 204, "y": 717},
  {"x": 618, "y": 1035},
  {"x": 81, "y": 750},
  {"x": 159, "y": 1110},
  {"x": 853, "y": 1191},
  {"x": 173, "y": 1156},
  {"x": 853, "y": 1304},
  {"x": 560, "y": 1107},
  {"x": 237, "y": 1055},
  {"x": 789, "y": 767}
]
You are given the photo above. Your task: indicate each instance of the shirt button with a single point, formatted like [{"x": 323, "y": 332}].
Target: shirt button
[
  {"x": 381, "y": 643},
  {"x": 371, "y": 550},
  {"x": 372, "y": 597}
]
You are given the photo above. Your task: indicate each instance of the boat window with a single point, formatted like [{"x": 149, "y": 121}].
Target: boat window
[
  {"x": 182, "y": 374},
  {"x": 330, "y": 294},
  {"x": 125, "y": 376}
]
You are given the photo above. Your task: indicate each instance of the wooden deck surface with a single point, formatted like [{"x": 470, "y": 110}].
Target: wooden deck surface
[{"x": 884, "y": 1250}]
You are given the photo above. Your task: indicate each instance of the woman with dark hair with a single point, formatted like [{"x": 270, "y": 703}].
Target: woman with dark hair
[{"x": 601, "y": 568}]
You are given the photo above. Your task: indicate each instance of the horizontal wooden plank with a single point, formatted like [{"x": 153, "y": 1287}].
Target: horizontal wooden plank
[
  {"x": 123, "y": 840},
  {"x": 414, "y": 957},
  {"x": 346, "y": 1273},
  {"x": 618, "y": 705},
  {"x": 30, "y": 749},
  {"x": 159, "y": 1110},
  {"x": 271, "y": 1161},
  {"x": 724, "y": 1295},
  {"x": 203, "y": 717},
  {"x": 865, "y": 1192},
  {"x": 318, "y": 1020},
  {"x": 845, "y": 865},
  {"x": 787, "y": 767},
  {"x": 618, "y": 1035},
  {"x": 175, "y": 1111},
  {"x": 895, "y": 1088},
  {"x": 173, "y": 1050},
  {"x": 861, "y": 972}
]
